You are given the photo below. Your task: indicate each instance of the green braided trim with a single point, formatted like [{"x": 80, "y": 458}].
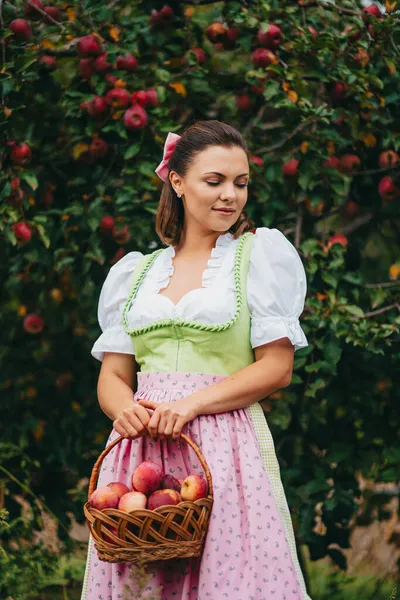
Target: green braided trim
[{"x": 184, "y": 322}]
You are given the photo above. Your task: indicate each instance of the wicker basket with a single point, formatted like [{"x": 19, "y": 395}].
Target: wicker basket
[{"x": 143, "y": 535}]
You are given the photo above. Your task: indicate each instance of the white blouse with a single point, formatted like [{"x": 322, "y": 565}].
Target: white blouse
[{"x": 276, "y": 290}]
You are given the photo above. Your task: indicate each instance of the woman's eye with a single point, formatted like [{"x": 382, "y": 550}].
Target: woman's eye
[{"x": 240, "y": 185}]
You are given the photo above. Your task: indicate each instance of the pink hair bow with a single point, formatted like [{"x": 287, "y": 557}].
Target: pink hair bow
[{"x": 169, "y": 147}]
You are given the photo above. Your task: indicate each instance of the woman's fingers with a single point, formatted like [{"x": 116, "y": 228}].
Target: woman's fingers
[
  {"x": 137, "y": 423},
  {"x": 143, "y": 414},
  {"x": 177, "y": 430},
  {"x": 152, "y": 426},
  {"x": 169, "y": 427},
  {"x": 162, "y": 425},
  {"x": 119, "y": 428}
]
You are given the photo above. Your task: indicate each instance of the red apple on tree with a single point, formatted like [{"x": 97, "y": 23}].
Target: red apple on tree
[
  {"x": 52, "y": 12},
  {"x": 373, "y": 10},
  {"x": 243, "y": 102},
  {"x": 152, "y": 97},
  {"x": 339, "y": 93},
  {"x": 20, "y": 153},
  {"x": 33, "y": 323},
  {"x": 98, "y": 148},
  {"x": 200, "y": 55},
  {"x": 333, "y": 162},
  {"x": 338, "y": 238},
  {"x": 270, "y": 38},
  {"x": 22, "y": 231},
  {"x": 231, "y": 35},
  {"x": 89, "y": 45},
  {"x": 118, "y": 98},
  {"x": 387, "y": 189},
  {"x": 139, "y": 97},
  {"x": 262, "y": 57},
  {"x": 163, "y": 16},
  {"x": 389, "y": 158},
  {"x": 107, "y": 225},
  {"x": 97, "y": 107},
  {"x": 349, "y": 163},
  {"x": 290, "y": 167},
  {"x": 21, "y": 29},
  {"x": 257, "y": 161},
  {"x": 127, "y": 63},
  {"x": 48, "y": 62},
  {"x": 135, "y": 118},
  {"x": 216, "y": 32},
  {"x": 86, "y": 67},
  {"x": 100, "y": 64}
]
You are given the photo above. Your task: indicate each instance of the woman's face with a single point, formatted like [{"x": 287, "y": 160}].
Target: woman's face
[{"x": 217, "y": 178}]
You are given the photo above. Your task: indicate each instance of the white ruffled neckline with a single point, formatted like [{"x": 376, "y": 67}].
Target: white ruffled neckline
[{"x": 166, "y": 269}]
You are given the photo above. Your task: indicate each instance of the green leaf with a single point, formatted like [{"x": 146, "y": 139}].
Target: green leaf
[
  {"x": 30, "y": 179},
  {"x": 43, "y": 234},
  {"x": 271, "y": 89},
  {"x": 354, "y": 310},
  {"x": 329, "y": 279},
  {"x": 132, "y": 150}
]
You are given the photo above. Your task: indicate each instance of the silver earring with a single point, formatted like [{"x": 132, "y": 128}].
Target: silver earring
[{"x": 179, "y": 195}]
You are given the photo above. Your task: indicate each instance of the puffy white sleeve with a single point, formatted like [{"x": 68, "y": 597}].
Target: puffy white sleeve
[
  {"x": 113, "y": 296},
  {"x": 276, "y": 289}
]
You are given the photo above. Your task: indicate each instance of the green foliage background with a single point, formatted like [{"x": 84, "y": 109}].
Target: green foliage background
[{"x": 338, "y": 419}]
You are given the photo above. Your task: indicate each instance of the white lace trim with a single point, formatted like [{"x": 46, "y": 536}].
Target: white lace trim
[{"x": 166, "y": 269}]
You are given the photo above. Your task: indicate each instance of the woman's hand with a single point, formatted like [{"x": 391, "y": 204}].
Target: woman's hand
[
  {"x": 132, "y": 421},
  {"x": 169, "y": 418}
]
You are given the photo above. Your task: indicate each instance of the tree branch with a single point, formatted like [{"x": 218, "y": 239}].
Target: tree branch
[
  {"x": 358, "y": 222},
  {"x": 297, "y": 129},
  {"x": 379, "y": 311},
  {"x": 48, "y": 17},
  {"x": 384, "y": 284},
  {"x": 299, "y": 224}
]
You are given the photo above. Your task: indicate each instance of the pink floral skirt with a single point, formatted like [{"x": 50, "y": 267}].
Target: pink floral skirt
[{"x": 246, "y": 554}]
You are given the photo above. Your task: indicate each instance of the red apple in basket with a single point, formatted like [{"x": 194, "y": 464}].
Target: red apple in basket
[
  {"x": 131, "y": 501},
  {"x": 148, "y": 477},
  {"x": 171, "y": 483},
  {"x": 194, "y": 487},
  {"x": 104, "y": 497},
  {"x": 163, "y": 498},
  {"x": 119, "y": 488}
]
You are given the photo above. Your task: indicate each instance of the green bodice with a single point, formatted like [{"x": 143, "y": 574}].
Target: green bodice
[{"x": 189, "y": 346}]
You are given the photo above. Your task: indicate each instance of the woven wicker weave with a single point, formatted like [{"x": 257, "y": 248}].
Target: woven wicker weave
[{"x": 150, "y": 535}]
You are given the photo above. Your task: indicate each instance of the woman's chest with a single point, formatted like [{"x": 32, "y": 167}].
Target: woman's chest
[
  {"x": 202, "y": 291},
  {"x": 187, "y": 277}
]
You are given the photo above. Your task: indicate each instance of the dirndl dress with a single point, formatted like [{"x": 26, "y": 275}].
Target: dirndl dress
[{"x": 249, "y": 551}]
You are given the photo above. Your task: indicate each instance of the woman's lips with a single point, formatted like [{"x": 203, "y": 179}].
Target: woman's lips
[{"x": 224, "y": 212}]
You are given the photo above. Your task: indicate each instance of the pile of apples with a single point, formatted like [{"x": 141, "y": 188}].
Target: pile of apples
[{"x": 152, "y": 488}]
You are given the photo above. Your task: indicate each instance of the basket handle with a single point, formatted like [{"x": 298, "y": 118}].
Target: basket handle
[{"x": 107, "y": 449}]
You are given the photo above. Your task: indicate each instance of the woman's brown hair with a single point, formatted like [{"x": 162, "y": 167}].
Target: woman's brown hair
[{"x": 194, "y": 139}]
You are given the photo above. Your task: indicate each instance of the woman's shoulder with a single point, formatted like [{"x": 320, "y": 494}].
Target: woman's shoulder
[{"x": 272, "y": 246}]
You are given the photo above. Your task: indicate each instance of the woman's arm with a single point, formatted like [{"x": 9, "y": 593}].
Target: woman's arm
[
  {"x": 116, "y": 382},
  {"x": 271, "y": 371}
]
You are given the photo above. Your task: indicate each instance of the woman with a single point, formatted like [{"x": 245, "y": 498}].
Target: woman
[{"x": 212, "y": 321}]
